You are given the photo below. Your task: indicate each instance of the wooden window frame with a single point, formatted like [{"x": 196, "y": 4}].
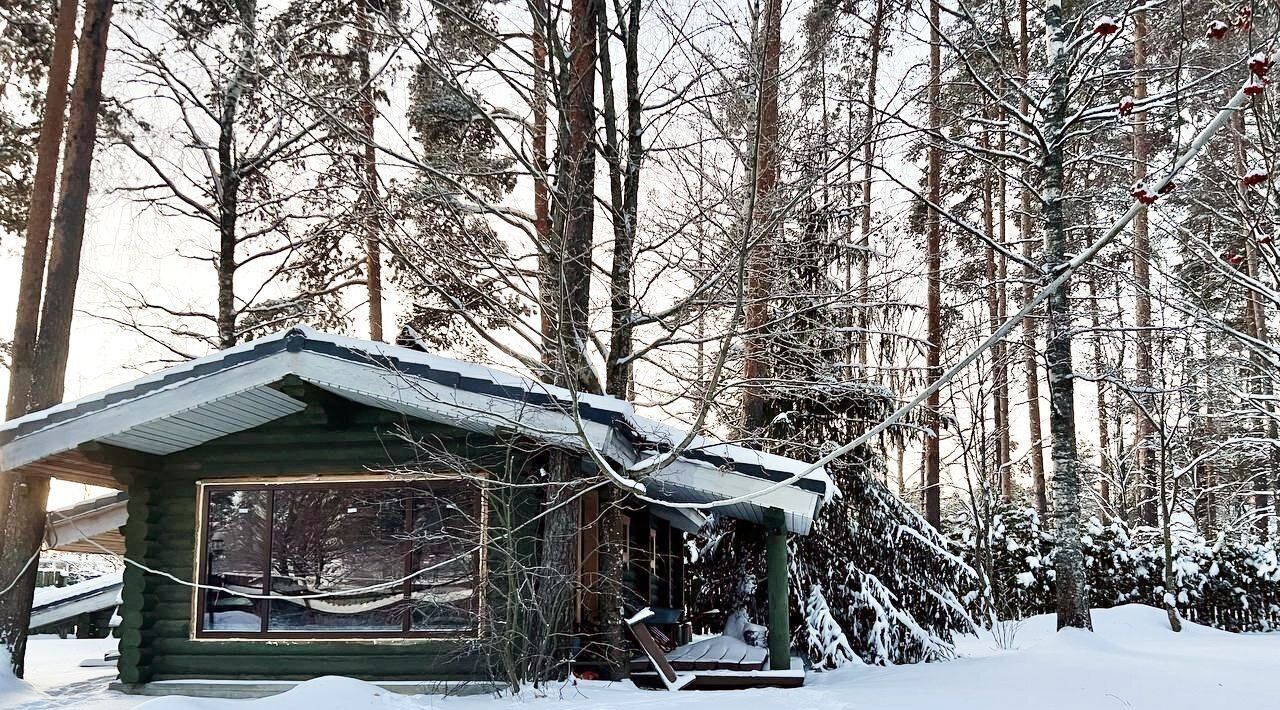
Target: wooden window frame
[{"x": 203, "y": 490}]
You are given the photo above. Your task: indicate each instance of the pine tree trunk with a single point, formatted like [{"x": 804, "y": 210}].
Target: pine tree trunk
[
  {"x": 759, "y": 286},
  {"x": 994, "y": 318},
  {"x": 1142, "y": 282},
  {"x": 368, "y": 160},
  {"x": 1260, "y": 384},
  {"x": 1028, "y": 290},
  {"x": 624, "y": 183},
  {"x": 625, "y": 192},
  {"x": 612, "y": 551},
  {"x": 1105, "y": 471},
  {"x": 229, "y": 176},
  {"x": 558, "y": 565},
  {"x": 40, "y": 214},
  {"x": 933, "y": 259},
  {"x": 25, "y": 498},
  {"x": 572, "y": 255},
  {"x": 577, "y": 189},
  {"x": 1255, "y": 326},
  {"x": 73, "y": 199},
  {"x": 547, "y": 312},
  {"x": 1000, "y": 352},
  {"x": 874, "y": 40},
  {"x": 902, "y": 472},
  {"x": 1073, "y": 603}
]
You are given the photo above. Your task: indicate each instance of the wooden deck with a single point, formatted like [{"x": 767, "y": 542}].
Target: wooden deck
[
  {"x": 730, "y": 679},
  {"x": 719, "y": 663}
]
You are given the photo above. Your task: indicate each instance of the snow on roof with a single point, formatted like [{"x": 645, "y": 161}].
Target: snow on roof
[
  {"x": 145, "y": 383},
  {"x": 46, "y": 596},
  {"x": 88, "y": 506},
  {"x": 191, "y": 403},
  {"x": 54, "y": 604},
  {"x": 662, "y": 434}
]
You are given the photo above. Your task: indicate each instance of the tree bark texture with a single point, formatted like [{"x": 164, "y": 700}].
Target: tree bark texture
[
  {"x": 25, "y": 498},
  {"x": 1105, "y": 469},
  {"x": 73, "y": 199},
  {"x": 1030, "y": 364},
  {"x": 759, "y": 283},
  {"x": 40, "y": 214},
  {"x": 368, "y": 160},
  {"x": 1073, "y": 602},
  {"x": 1142, "y": 282},
  {"x": 933, "y": 265},
  {"x": 875, "y": 40},
  {"x": 547, "y": 283},
  {"x": 229, "y": 178},
  {"x": 625, "y": 195},
  {"x": 571, "y": 289}
]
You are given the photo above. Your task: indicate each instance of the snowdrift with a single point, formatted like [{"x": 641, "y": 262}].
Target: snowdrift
[
  {"x": 326, "y": 693},
  {"x": 1131, "y": 661},
  {"x": 13, "y": 691}
]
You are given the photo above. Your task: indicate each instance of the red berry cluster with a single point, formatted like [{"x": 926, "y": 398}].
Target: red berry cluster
[
  {"x": 1257, "y": 176},
  {"x": 1244, "y": 17},
  {"x": 1218, "y": 29},
  {"x": 1259, "y": 65},
  {"x": 1147, "y": 197},
  {"x": 1141, "y": 194},
  {"x": 1106, "y": 26}
]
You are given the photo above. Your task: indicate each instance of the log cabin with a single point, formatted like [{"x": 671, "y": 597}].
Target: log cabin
[{"x": 308, "y": 504}]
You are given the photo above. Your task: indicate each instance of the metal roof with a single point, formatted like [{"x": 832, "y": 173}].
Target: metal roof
[{"x": 231, "y": 390}]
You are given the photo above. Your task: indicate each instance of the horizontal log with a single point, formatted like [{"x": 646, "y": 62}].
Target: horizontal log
[
  {"x": 441, "y": 649},
  {"x": 370, "y": 666}
]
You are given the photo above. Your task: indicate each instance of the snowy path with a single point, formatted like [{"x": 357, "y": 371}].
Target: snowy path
[{"x": 1133, "y": 661}]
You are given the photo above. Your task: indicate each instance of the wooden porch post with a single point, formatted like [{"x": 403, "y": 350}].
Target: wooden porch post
[{"x": 779, "y": 608}]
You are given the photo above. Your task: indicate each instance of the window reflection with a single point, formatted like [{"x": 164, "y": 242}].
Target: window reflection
[
  {"x": 338, "y": 540},
  {"x": 235, "y": 545},
  {"x": 344, "y": 554},
  {"x": 443, "y": 592}
]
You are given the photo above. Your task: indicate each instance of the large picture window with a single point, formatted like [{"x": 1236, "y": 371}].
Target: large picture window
[{"x": 362, "y": 560}]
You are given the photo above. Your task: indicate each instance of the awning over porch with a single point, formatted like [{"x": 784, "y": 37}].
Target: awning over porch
[{"x": 88, "y": 526}]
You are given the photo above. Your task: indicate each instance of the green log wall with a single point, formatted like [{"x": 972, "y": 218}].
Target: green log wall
[{"x": 328, "y": 437}]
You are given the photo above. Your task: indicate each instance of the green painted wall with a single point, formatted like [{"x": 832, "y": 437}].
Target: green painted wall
[{"x": 330, "y": 436}]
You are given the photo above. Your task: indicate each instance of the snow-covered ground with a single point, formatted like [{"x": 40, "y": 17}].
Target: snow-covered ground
[
  {"x": 55, "y": 678},
  {"x": 1132, "y": 661}
]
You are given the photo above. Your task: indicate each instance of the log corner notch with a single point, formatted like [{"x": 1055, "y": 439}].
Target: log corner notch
[{"x": 779, "y": 605}]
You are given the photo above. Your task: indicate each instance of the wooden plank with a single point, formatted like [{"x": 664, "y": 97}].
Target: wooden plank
[
  {"x": 589, "y": 557},
  {"x": 72, "y": 466},
  {"x": 428, "y": 652},
  {"x": 242, "y": 666},
  {"x": 710, "y": 654},
  {"x": 722, "y": 681},
  {"x": 640, "y": 631}
]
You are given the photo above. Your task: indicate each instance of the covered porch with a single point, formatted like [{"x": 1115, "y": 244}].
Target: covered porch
[{"x": 725, "y": 662}]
